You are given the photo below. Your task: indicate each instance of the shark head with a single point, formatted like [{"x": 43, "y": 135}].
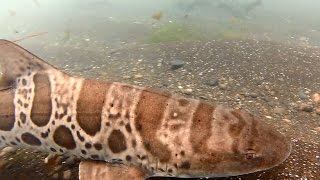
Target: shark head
[{"x": 245, "y": 144}]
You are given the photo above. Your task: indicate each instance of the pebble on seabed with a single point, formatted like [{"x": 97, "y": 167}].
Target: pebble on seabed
[
  {"x": 306, "y": 107},
  {"x": 67, "y": 174},
  {"x": 316, "y": 98}
]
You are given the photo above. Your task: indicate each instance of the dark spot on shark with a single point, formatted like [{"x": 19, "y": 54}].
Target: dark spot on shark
[
  {"x": 89, "y": 114},
  {"x": 20, "y": 102},
  {"x": 117, "y": 141},
  {"x": 97, "y": 146},
  {"x": 114, "y": 116},
  {"x": 73, "y": 126},
  {"x": 44, "y": 135},
  {"x": 182, "y": 153},
  {"x": 185, "y": 165},
  {"x": 69, "y": 119},
  {"x": 134, "y": 143},
  {"x": 17, "y": 139},
  {"x": 56, "y": 115},
  {"x": 42, "y": 104},
  {"x": 127, "y": 115},
  {"x": 107, "y": 123},
  {"x": 147, "y": 146},
  {"x": 23, "y": 117},
  {"x": 30, "y": 139},
  {"x": 24, "y": 82},
  {"x": 138, "y": 126},
  {"x": 63, "y": 137},
  {"x": 53, "y": 122},
  {"x": 95, "y": 156},
  {"x": 128, "y": 158},
  {"x": 81, "y": 138},
  {"x": 53, "y": 149},
  {"x": 128, "y": 128},
  {"x": 61, "y": 116},
  {"x": 88, "y": 145},
  {"x": 13, "y": 143},
  {"x": 121, "y": 123},
  {"x": 25, "y": 105},
  {"x": 183, "y": 102},
  {"x": 83, "y": 152}
]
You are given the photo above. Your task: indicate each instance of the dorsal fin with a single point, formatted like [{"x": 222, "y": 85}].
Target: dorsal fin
[{"x": 16, "y": 61}]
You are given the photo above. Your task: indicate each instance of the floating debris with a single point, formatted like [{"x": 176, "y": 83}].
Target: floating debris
[
  {"x": 33, "y": 35},
  {"x": 157, "y": 15},
  {"x": 11, "y": 12}
]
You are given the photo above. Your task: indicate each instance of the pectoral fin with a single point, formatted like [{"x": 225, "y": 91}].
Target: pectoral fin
[{"x": 100, "y": 170}]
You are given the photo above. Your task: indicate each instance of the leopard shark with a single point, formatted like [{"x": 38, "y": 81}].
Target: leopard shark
[{"x": 123, "y": 131}]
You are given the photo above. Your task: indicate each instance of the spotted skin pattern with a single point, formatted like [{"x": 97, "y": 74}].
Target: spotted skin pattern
[{"x": 162, "y": 134}]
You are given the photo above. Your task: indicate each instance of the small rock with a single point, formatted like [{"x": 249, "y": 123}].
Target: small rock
[
  {"x": 266, "y": 98},
  {"x": 318, "y": 110},
  {"x": 268, "y": 117},
  {"x": 316, "y": 98},
  {"x": 203, "y": 97},
  {"x": 126, "y": 77},
  {"x": 305, "y": 107},
  {"x": 6, "y": 150},
  {"x": 223, "y": 86},
  {"x": 138, "y": 76},
  {"x": 317, "y": 129},
  {"x": 253, "y": 95},
  {"x": 57, "y": 168},
  {"x": 213, "y": 82},
  {"x": 50, "y": 159},
  {"x": 286, "y": 120},
  {"x": 176, "y": 64},
  {"x": 186, "y": 91},
  {"x": 273, "y": 93},
  {"x": 55, "y": 176},
  {"x": 279, "y": 110},
  {"x": 67, "y": 174},
  {"x": 302, "y": 95}
]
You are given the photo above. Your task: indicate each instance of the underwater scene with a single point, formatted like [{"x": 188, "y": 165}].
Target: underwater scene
[{"x": 256, "y": 56}]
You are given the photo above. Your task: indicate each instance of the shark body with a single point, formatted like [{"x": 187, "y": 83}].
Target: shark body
[{"x": 150, "y": 133}]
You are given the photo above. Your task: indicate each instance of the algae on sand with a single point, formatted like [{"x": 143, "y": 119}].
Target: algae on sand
[{"x": 172, "y": 32}]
